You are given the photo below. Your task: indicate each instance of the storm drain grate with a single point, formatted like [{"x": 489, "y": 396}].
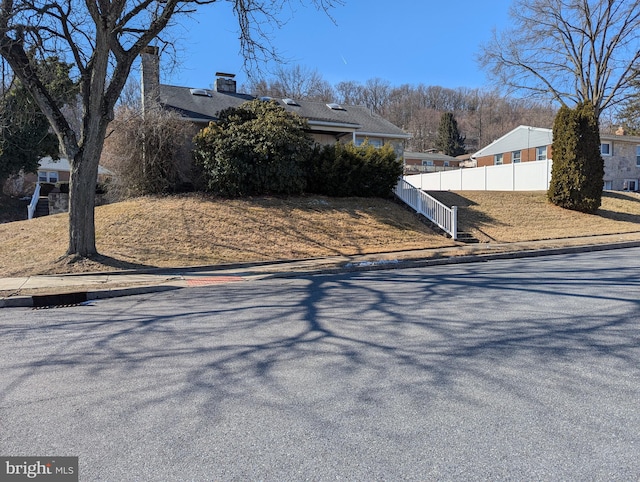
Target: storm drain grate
[{"x": 60, "y": 300}]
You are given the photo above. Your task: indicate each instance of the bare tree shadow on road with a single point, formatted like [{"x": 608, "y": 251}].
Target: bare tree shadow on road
[{"x": 317, "y": 351}]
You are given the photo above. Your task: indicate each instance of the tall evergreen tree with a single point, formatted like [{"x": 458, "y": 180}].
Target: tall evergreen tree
[
  {"x": 578, "y": 168},
  {"x": 25, "y": 134},
  {"x": 449, "y": 141}
]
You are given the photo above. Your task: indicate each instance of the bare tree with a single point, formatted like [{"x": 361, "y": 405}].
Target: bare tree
[
  {"x": 349, "y": 92},
  {"x": 629, "y": 116},
  {"x": 300, "y": 82},
  {"x": 296, "y": 82},
  {"x": 571, "y": 50},
  {"x": 103, "y": 38},
  {"x": 161, "y": 167},
  {"x": 376, "y": 93}
]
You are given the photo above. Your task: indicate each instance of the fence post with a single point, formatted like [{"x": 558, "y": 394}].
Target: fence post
[{"x": 454, "y": 222}]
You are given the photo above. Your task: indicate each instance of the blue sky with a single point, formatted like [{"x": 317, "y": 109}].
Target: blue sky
[{"x": 404, "y": 41}]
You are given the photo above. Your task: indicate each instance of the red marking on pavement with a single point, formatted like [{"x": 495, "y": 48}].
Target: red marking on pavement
[{"x": 213, "y": 280}]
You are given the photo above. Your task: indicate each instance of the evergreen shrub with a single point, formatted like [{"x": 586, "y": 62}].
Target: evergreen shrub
[
  {"x": 578, "y": 169},
  {"x": 342, "y": 170},
  {"x": 254, "y": 149}
]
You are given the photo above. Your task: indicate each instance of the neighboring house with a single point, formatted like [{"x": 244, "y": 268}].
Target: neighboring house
[
  {"x": 328, "y": 122},
  {"x": 522, "y": 144},
  {"x": 50, "y": 171},
  {"x": 59, "y": 170},
  {"x": 417, "y": 162},
  {"x": 621, "y": 154}
]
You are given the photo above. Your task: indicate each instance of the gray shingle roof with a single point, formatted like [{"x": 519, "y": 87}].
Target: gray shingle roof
[{"x": 204, "y": 108}]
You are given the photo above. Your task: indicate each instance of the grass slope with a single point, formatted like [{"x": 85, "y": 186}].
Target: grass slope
[{"x": 197, "y": 230}]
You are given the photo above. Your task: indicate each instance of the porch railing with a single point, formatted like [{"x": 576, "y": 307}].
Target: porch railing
[
  {"x": 31, "y": 208},
  {"x": 445, "y": 217}
]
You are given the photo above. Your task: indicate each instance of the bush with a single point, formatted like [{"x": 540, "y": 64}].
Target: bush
[
  {"x": 578, "y": 169},
  {"x": 146, "y": 153},
  {"x": 257, "y": 148},
  {"x": 343, "y": 170}
]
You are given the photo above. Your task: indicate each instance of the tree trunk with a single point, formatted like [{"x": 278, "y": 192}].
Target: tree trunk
[{"x": 82, "y": 200}]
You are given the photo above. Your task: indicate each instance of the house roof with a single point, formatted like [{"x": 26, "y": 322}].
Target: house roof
[
  {"x": 522, "y": 137},
  {"x": 203, "y": 105},
  {"x": 62, "y": 165},
  {"x": 620, "y": 138}
]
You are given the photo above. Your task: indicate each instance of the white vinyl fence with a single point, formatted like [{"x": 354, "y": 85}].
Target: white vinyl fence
[
  {"x": 524, "y": 176},
  {"x": 443, "y": 216}
]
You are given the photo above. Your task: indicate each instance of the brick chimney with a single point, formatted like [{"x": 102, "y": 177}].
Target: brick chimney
[
  {"x": 225, "y": 83},
  {"x": 621, "y": 131},
  {"x": 150, "y": 77}
]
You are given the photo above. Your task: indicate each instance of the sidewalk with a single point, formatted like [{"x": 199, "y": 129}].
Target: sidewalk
[{"x": 52, "y": 290}]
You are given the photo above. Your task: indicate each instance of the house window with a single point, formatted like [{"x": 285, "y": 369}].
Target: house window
[
  {"x": 48, "y": 176},
  {"x": 446, "y": 163},
  {"x": 497, "y": 160},
  {"x": 605, "y": 149},
  {"x": 637, "y": 156},
  {"x": 608, "y": 186},
  {"x": 427, "y": 163},
  {"x": 377, "y": 143},
  {"x": 516, "y": 156},
  {"x": 541, "y": 153},
  {"x": 630, "y": 185}
]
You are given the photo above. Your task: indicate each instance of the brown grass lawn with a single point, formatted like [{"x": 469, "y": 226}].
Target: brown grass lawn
[
  {"x": 526, "y": 216},
  {"x": 196, "y": 230}
]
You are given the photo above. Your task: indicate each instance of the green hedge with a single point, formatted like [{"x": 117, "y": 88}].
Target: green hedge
[{"x": 343, "y": 170}]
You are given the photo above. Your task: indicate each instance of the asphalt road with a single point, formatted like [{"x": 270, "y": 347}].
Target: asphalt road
[{"x": 522, "y": 369}]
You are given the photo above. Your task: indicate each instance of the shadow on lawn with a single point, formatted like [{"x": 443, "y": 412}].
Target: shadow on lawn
[
  {"x": 469, "y": 220},
  {"x": 619, "y": 216},
  {"x": 100, "y": 260}
]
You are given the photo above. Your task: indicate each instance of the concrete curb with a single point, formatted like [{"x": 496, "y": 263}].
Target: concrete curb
[{"x": 82, "y": 296}]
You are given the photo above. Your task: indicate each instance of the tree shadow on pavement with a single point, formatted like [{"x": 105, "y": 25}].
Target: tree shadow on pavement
[{"x": 327, "y": 348}]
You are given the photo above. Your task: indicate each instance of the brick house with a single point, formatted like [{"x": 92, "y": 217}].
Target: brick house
[
  {"x": 417, "y": 162},
  {"x": 620, "y": 152}
]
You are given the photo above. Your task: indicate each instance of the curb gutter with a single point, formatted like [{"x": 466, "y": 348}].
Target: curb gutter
[{"x": 321, "y": 267}]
